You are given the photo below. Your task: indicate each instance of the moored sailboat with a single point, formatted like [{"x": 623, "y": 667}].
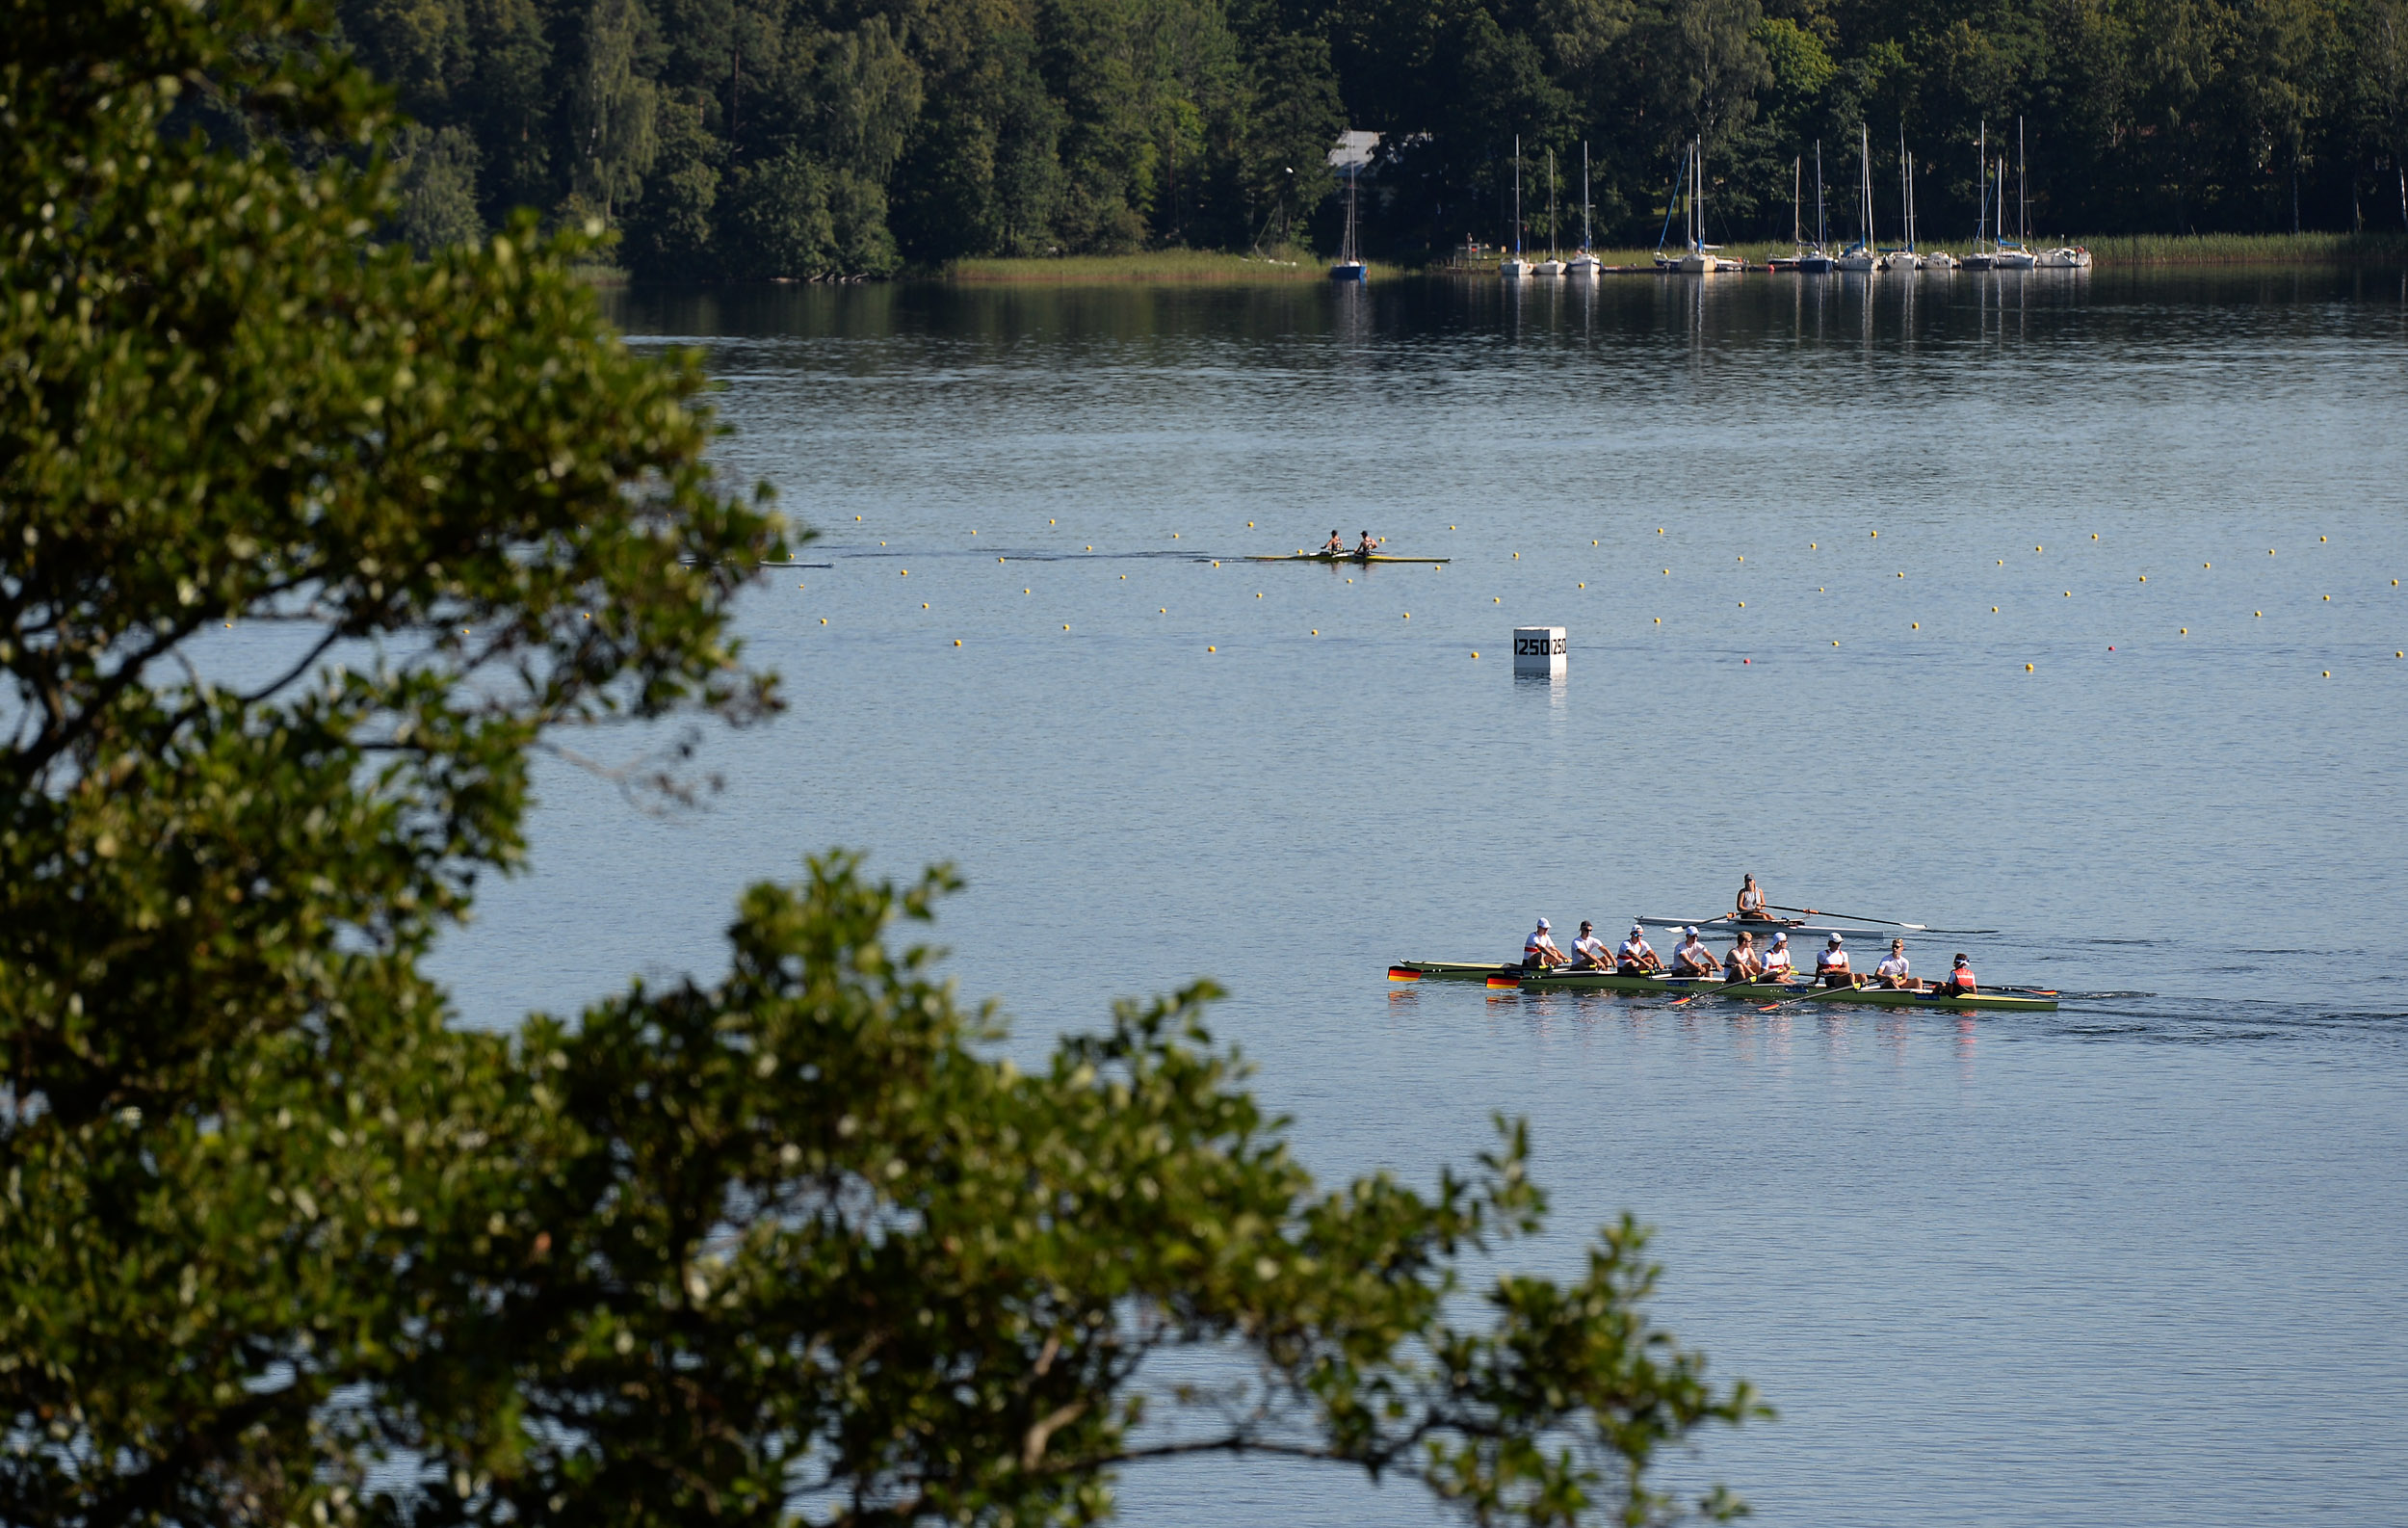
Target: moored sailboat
[
  {"x": 1349, "y": 263},
  {"x": 1585, "y": 263},
  {"x": 1858, "y": 258},
  {"x": 1514, "y": 267}
]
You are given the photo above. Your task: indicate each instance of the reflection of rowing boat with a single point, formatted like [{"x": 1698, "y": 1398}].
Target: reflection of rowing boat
[
  {"x": 1564, "y": 980},
  {"x": 1343, "y": 556}
]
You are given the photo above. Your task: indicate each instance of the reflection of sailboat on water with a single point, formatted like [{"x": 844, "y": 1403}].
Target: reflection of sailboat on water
[
  {"x": 1697, "y": 256},
  {"x": 1515, "y": 268},
  {"x": 1584, "y": 263},
  {"x": 1350, "y": 266}
]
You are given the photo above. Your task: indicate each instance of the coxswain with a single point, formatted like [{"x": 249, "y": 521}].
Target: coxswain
[
  {"x": 1589, "y": 952},
  {"x": 1892, "y": 973},
  {"x": 1741, "y": 964},
  {"x": 1693, "y": 958},
  {"x": 1961, "y": 978},
  {"x": 1751, "y": 900},
  {"x": 1635, "y": 957},
  {"x": 1778, "y": 967},
  {"x": 1336, "y": 545},
  {"x": 1539, "y": 952},
  {"x": 1368, "y": 547},
  {"x": 1831, "y": 965}
]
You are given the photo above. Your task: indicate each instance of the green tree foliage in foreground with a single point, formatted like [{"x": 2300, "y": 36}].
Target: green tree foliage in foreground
[
  {"x": 822, "y": 137},
  {"x": 278, "y": 1242}
]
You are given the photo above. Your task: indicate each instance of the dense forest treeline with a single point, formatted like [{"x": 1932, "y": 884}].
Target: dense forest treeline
[{"x": 749, "y": 138}]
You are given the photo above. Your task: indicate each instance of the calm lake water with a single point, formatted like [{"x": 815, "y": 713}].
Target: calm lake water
[{"x": 2066, "y": 607}]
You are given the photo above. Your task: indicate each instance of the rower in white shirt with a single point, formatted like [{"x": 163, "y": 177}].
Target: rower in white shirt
[
  {"x": 1831, "y": 965},
  {"x": 1635, "y": 957},
  {"x": 1893, "y": 973},
  {"x": 1539, "y": 951},
  {"x": 1778, "y": 967},
  {"x": 1693, "y": 958},
  {"x": 1592, "y": 953}
]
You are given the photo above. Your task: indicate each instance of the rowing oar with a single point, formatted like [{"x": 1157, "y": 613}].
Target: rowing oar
[
  {"x": 1818, "y": 913},
  {"x": 1712, "y": 991}
]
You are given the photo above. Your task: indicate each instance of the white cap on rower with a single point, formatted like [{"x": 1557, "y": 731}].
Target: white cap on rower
[
  {"x": 1780, "y": 938},
  {"x": 1544, "y": 924},
  {"x": 1691, "y": 930},
  {"x": 1638, "y": 933},
  {"x": 1836, "y": 940}
]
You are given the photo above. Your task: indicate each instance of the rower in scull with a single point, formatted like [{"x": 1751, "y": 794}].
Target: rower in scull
[
  {"x": 1336, "y": 545},
  {"x": 1751, "y": 903},
  {"x": 1539, "y": 951},
  {"x": 1368, "y": 547},
  {"x": 1778, "y": 967},
  {"x": 1635, "y": 957}
]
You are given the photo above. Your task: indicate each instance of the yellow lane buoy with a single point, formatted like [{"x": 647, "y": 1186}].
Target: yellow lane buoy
[
  {"x": 856, "y": 517},
  {"x": 2320, "y": 537},
  {"x": 1249, "y": 525},
  {"x": 1994, "y": 610},
  {"x": 1049, "y": 522},
  {"x": 2259, "y": 614},
  {"x": 2028, "y": 668},
  {"x": 824, "y": 622},
  {"x": 1810, "y": 546},
  {"x": 1902, "y": 574},
  {"x": 1316, "y": 631},
  {"x": 1212, "y": 649},
  {"x": 2328, "y": 599},
  {"x": 1091, "y": 548},
  {"x": 958, "y": 640},
  {"x": 1876, "y": 532},
  {"x": 1668, "y": 572},
  {"x": 1174, "y": 536},
  {"x": 2186, "y": 631},
  {"x": 998, "y": 559},
  {"x": 1742, "y": 604},
  {"x": 2036, "y": 548},
  {"x": 974, "y": 532},
  {"x": 1658, "y": 530},
  {"x": 1743, "y": 558},
  {"x": 2002, "y": 562},
  {"x": 1914, "y": 626},
  {"x": 1476, "y": 655},
  {"x": 1580, "y": 586},
  {"x": 924, "y": 604},
  {"x": 1834, "y": 645},
  {"x": 1258, "y": 594},
  {"x": 2328, "y": 673},
  {"x": 1592, "y": 544},
  {"x": 2094, "y": 536},
  {"x": 1659, "y": 620},
  {"x": 1408, "y": 614},
  {"x": 1517, "y": 557},
  {"x": 1065, "y": 628},
  {"x": 906, "y": 572},
  {"x": 1215, "y": 565},
  {"x": 1162, "y": 612},
  {"x": 2069, "y": 593},
  {"x": 1498, "y": 600}
]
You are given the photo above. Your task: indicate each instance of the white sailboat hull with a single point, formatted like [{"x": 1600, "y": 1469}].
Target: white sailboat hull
[
  {"x": 1549, "y": 268},
  {"x": 1583, "y": 265}
]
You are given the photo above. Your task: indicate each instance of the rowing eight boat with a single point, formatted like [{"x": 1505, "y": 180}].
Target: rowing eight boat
[{"x": 1570, "y": 981}]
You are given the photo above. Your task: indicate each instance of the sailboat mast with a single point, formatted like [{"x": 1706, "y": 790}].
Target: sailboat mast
[
  {"x": 1517, "y": 196},
  {"x": 1823, "y": 237},
  {"x": 1982, "y": 197},
  {"x": 2022, "y": 189},
  {"x": 1797, "y": 185},
  {"x": 1584, "y": 196}
]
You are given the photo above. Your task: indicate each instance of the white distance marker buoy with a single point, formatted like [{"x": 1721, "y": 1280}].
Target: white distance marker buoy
[{"x": 1539, "y": 649}]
